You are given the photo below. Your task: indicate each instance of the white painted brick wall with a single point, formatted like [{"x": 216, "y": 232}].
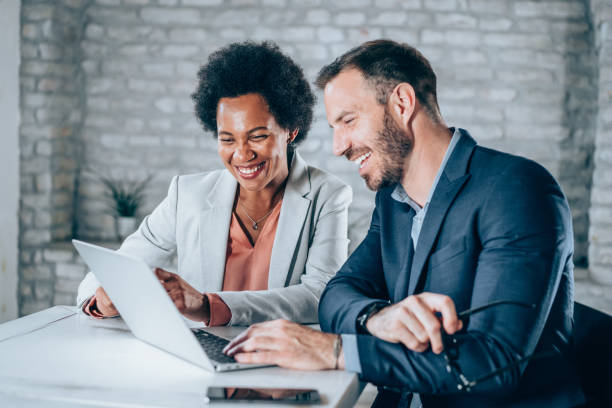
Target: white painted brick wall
[
  {"x": 518, "y": 74},
  {"x": 600, "y": 214}
]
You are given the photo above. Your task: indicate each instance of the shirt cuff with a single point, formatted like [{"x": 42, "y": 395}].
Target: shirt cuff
[
  {"x": 220, "y": 313},
  {"x": 351, "y": 353}
]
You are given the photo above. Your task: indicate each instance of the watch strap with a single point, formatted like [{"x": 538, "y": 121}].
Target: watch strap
[{"x": 363, "y": 317}]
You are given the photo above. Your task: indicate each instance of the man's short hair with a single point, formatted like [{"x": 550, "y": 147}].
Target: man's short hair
[{"x": 384, "y": 64}]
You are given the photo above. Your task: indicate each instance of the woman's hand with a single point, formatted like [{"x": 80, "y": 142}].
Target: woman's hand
[
  {"x": 100, "y": 305},
  {"x": 191, "y": 303}
]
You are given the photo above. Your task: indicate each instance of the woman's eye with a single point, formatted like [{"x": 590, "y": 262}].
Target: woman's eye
[
  {"x": 259, "y": 137},
  {"x": 225, "y": 141},
  {"x": 349, "y": 120}
]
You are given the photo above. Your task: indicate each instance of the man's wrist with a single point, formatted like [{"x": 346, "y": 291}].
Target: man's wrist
[
  {"x": 364, "y": 317},
  {"x": 341, "y": 363},
  {"x": 337, "y": 351}
]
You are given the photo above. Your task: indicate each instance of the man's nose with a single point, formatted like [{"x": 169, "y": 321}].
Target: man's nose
[{"x": 341, "y": 143}]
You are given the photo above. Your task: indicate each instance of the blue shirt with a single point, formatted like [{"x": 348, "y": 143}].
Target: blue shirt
[{"x": 349, "y": 341}]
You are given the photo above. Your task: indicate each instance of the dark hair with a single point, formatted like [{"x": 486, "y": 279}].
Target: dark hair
[
  {"x": 248, "y": 67},
  {"x": 384, "y": 64}
]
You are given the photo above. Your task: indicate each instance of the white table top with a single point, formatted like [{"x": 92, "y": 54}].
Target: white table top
[{"x": 58, "y": 357}]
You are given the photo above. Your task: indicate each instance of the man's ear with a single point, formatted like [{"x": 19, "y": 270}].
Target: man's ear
[{"x": 402, "y": 102}]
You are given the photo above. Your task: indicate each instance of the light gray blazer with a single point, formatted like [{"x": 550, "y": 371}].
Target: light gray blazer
[{"x": 193, "y": 221}]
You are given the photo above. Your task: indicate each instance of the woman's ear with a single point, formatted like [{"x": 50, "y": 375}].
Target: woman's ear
[{"x": 292, "y": 135}]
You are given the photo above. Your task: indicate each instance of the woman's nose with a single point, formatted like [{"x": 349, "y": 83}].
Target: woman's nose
[{"x": 243, "y": 153}]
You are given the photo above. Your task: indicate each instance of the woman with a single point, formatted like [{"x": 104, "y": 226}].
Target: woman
[{"x": 260, "y": 239}]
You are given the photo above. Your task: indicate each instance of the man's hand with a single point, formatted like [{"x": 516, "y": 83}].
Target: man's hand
[
  {"x": 191, "y": 303},
  {"x": 285, "y": 344},
  {"x": 413, "y": 322}
]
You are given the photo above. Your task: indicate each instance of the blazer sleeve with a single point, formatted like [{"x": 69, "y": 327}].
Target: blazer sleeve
[
  {"x": 154, "y": 241},
  {"x": 525, "y": 231},
  {"x": 327, "y": 251},
  {"x": 359, "y": 283}
]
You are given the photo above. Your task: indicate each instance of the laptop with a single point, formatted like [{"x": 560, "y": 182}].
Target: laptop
[{"x": 149, "y": 312}]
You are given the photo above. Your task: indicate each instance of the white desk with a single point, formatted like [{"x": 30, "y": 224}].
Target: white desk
[{"x": 57, "y": 358}]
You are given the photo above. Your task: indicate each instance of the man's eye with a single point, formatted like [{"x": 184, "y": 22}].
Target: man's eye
[
  {"x": 225, "y": 141},
  {"x": 349, "y": 120},
  {"x": 260, "y": 137}
]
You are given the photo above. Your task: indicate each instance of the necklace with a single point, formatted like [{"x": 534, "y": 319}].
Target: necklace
[{"x": 255, "y": 226}]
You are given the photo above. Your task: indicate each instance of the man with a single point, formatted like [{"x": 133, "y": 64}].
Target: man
[{"x": 456, "y": 226}]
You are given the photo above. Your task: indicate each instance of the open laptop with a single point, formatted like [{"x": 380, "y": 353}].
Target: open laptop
[{"x": 149, "y": 312}]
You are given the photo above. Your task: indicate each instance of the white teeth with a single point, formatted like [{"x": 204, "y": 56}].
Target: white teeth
[
  {"x": 250, "y": 170},
  {"x": 361, "y": 159}
]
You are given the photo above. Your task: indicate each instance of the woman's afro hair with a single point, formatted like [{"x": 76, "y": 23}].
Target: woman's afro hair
[{"x": 249, "y": 67}]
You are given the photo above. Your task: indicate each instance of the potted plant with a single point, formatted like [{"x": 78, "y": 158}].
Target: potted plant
[{"x": 125, "y": 198}]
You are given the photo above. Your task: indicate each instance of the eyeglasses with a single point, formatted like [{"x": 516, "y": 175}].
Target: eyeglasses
[{"x": 451, "y": 350}]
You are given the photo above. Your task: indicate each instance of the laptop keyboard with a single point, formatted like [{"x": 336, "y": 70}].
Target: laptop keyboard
[{"x": 213, "y": 346}]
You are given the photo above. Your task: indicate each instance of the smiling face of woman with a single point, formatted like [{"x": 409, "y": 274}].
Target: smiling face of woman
[{"x": 252, "y": 146}]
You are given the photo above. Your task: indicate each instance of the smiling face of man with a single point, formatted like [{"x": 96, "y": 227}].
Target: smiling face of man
[{"x": 365, "y": 131}]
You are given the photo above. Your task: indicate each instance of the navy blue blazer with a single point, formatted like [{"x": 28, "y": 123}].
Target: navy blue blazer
[{"x": 498, "y": 227}]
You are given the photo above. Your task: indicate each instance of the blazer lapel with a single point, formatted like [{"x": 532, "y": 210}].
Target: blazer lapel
[
  {"x": 452, "y": 179},
  {"x": 290, "y": 223},
  {"x": 214, "y": 231},
  {"x": 401, "y": 275}
]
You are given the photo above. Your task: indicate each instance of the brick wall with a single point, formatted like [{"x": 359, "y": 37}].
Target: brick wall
[
  {"x": 600, "y": 232},
  {"x": 520, "y": 75},
  {"x": 51, "y": 117}
]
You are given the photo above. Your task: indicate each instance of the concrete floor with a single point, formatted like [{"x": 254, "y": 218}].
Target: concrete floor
[{"x": 586, "y": 291}]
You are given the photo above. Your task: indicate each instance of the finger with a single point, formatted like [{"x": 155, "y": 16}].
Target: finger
[
  {"x": 258, "y": 343},
  {"x": 166, "y": 284},
  {"x": 170, "y": 285},
  {"x": 239, "y": 342},
  {"x": 88, "y": 308},
  {"x": 105, "y": 305},
  {"x": 262, "y": 357},
  {"x": 163, "y": 275},
  {"x": 175, "y": 291},
  {"x": 101, "y": 294},
  {"x": 270, "y": 328},
  {"x": 430, "y": 322},
  {"x": 177, "y": 297},
  {"x": 414, "y": 325},
  {"x": 406, "y": 337},
  {"x": 240, "y": 338},
  {"x": 446, "y": 306},
  {"x": 103, "y": 312}
]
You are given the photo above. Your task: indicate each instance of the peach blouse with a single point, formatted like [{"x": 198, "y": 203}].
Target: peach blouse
[{"x": 246, "y": 266}]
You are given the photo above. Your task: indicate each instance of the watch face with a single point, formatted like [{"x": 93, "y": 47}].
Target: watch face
[{"x": 362, "y": 319}]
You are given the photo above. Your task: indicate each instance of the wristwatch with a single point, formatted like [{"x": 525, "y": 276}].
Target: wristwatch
[{"x": 363, "y": 317}]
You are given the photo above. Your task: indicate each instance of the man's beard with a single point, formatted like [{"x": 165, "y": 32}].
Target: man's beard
[{"x": 393, "y": 146}]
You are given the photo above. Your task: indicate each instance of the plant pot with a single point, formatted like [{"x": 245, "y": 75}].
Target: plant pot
[{"x": 125, "y": 226}]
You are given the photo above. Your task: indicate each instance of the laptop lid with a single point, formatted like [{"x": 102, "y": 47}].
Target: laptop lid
[{"x": 143, "y": 302}]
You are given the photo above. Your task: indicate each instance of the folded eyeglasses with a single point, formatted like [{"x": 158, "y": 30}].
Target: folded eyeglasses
[{"x": 451, "y": 350}]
